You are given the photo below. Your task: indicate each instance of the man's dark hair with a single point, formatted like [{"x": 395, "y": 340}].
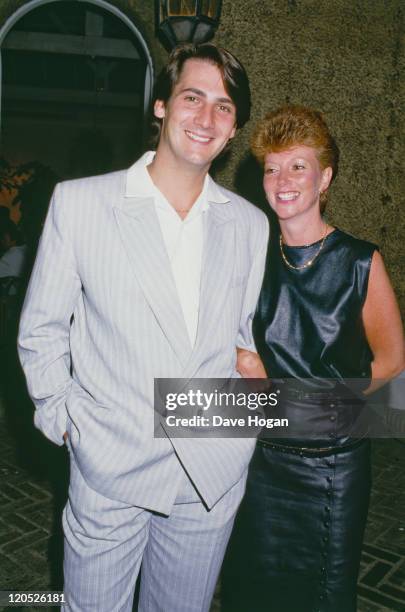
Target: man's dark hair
[{"x": 234, "y": 76}]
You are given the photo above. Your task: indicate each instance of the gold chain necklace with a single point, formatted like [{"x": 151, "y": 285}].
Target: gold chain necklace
[{"x": 308, "y": 263}]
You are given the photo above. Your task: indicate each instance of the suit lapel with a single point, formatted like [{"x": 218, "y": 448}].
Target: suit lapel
[
  {"x": 216, "y": 275},
  {"x": 140, "y": 232}
]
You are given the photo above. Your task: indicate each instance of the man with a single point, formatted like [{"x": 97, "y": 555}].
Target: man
[
  {"x": 12, "y": 249},
  {"x": 150, "y": 273}
]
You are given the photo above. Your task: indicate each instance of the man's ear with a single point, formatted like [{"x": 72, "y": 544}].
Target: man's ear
[{"x": 159, "y": 109}]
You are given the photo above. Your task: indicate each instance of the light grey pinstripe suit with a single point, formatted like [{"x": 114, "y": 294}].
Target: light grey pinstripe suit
[{"x": 102, "y": 259}]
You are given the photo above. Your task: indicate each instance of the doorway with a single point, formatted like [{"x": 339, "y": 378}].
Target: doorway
[{"x": 76, "y": 84}]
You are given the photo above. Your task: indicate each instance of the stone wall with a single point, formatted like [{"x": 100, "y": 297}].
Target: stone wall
[{"x": 345, "y": 58}]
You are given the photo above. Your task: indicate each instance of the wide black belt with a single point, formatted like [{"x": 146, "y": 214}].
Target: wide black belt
[{"x": 307, "y": 451}]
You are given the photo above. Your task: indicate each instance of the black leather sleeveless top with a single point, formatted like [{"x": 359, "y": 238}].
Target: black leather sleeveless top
[{"x": 308, "y": 323}]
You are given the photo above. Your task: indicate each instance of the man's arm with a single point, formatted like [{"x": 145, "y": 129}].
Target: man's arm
[
  {"x": 43, "y": 341},
  {"x": 245, "y": 336}
]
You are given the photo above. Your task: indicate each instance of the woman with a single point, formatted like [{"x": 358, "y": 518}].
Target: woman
[{"x": 327, "y": 313}]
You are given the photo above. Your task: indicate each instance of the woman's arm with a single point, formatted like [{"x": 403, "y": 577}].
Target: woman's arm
[
  {"x": 383, "y": 326},
  {"x": 249, "y": 364}
]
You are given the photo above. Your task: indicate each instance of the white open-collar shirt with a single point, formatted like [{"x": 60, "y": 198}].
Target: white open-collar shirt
[{"x": 183, "y": 238}]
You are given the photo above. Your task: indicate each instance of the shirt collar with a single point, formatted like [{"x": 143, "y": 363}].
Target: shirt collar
[
  {"x": 214, "y": 192},
  {"x": 140, "y": 184}
]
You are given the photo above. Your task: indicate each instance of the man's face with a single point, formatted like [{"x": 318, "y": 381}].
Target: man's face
[{"x": 198, "y": 119}]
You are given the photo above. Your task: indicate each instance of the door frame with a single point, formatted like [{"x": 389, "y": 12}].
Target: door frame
[{"x": 33, "y": 4}]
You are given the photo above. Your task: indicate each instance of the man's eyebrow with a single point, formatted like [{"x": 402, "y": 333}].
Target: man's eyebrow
[{"x": 200, "y": 92}]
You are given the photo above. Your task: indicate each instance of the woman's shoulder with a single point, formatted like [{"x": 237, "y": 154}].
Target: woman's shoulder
[{"x": 358, "y": 246}]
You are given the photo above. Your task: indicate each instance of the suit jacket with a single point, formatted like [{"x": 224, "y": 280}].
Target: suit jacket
[{"x": 102, "y": 319}]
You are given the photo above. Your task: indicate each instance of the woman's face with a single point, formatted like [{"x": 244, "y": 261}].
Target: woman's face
[{"x": 293, "y": 181}]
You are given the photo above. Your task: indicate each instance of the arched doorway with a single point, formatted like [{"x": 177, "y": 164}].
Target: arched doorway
[{"x": 76, "y": 80}]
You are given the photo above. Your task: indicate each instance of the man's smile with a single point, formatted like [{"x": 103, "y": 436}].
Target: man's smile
[{"x": 198, "y": 137}]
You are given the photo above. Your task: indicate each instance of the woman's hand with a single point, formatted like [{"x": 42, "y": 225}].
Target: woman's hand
[
  {"x": 383, "y": 326},
  {"x": 249, "y": 364}
]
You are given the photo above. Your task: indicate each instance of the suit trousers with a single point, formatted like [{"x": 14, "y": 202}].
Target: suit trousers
[{"x": 106, "y": 541}]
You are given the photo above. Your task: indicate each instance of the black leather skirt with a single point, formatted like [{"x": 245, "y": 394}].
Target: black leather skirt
[{"x": 297, "y": 539}]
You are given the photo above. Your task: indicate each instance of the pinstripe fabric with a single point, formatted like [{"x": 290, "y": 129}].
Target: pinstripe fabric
[
  {"x": 184, "y": 555},
  {"x": 102, "y": 258},
  {"x": 105, "y": 541}
]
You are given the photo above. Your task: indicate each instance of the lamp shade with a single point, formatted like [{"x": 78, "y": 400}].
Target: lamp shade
[{"x": 180, "y": 21}]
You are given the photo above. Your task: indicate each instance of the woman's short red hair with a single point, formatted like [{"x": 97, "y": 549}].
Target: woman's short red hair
[{"x": 290, "y": 126}]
